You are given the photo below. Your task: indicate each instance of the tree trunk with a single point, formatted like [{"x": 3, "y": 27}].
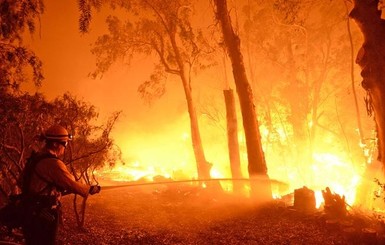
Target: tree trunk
[
  {"x": 371, "y": 59},
  {"x": 260, "y": 184},
  {"x": 232, "y": 139},
  {"x": 203, "y": 167}
]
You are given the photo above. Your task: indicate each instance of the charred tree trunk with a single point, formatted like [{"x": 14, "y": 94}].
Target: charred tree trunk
[
  {"x": 232, "y": 138},
  {"x": 257, "y": 165},
  {"x": 371, "y": 59}
]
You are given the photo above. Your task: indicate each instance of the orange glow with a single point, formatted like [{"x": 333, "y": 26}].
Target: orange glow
[
  {"x": 155, "y": 141},
  {"x": 172, "y": 157}
]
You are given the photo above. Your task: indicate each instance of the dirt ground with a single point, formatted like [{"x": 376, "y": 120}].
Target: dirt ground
[{"x": 185, "y": 215}]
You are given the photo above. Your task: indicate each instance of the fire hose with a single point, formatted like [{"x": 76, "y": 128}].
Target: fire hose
[{"x": 191, "y": 181}]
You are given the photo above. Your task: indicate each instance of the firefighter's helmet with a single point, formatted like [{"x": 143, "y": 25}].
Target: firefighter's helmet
[{"x": 57, "y": 133}]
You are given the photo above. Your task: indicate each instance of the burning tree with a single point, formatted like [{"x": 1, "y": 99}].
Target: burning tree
[
  {"x": 299, "y": 65},
  {"x": 162, "y": 29},
  {"x": 256, "y": 159},
  {"x": 369, "y": 15}
]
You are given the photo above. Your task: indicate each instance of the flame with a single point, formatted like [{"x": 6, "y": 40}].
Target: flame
[
  {"x": 172, "y": 157},
  {"x": 339, "y": 175},
  {"x": 327, "y": 170}
]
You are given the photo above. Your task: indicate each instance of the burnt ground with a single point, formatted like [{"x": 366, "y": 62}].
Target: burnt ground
[{"x": 184, "y": 215}]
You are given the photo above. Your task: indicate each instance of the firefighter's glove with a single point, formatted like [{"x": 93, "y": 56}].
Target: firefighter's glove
[{"x": 94, "y": 189}]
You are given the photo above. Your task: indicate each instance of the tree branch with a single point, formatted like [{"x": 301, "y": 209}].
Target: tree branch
[{"x": 160, "y": 52}]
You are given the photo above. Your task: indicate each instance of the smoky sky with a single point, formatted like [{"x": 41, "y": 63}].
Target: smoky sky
[{"x": 67, "y": 61}]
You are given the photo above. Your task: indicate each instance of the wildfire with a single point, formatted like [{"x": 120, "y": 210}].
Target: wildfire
[
  {"x": 341, "y": 177},
  {"x": 173, "y": 158}
]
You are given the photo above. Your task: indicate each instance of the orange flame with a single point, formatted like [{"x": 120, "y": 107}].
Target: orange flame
[{"x": 174, "y": 159}]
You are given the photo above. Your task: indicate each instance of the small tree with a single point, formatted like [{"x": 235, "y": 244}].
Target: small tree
[
  {"x": 20, "y": 120},
  {"x": 24, "y": 117},
  {"x": 92, "y": 147}
]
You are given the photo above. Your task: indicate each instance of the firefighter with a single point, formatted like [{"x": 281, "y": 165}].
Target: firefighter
[{"x": 47, "y": 180}]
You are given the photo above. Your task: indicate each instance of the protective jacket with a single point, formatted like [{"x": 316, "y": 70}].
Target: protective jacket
[{"x": 51, "y": 176}]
